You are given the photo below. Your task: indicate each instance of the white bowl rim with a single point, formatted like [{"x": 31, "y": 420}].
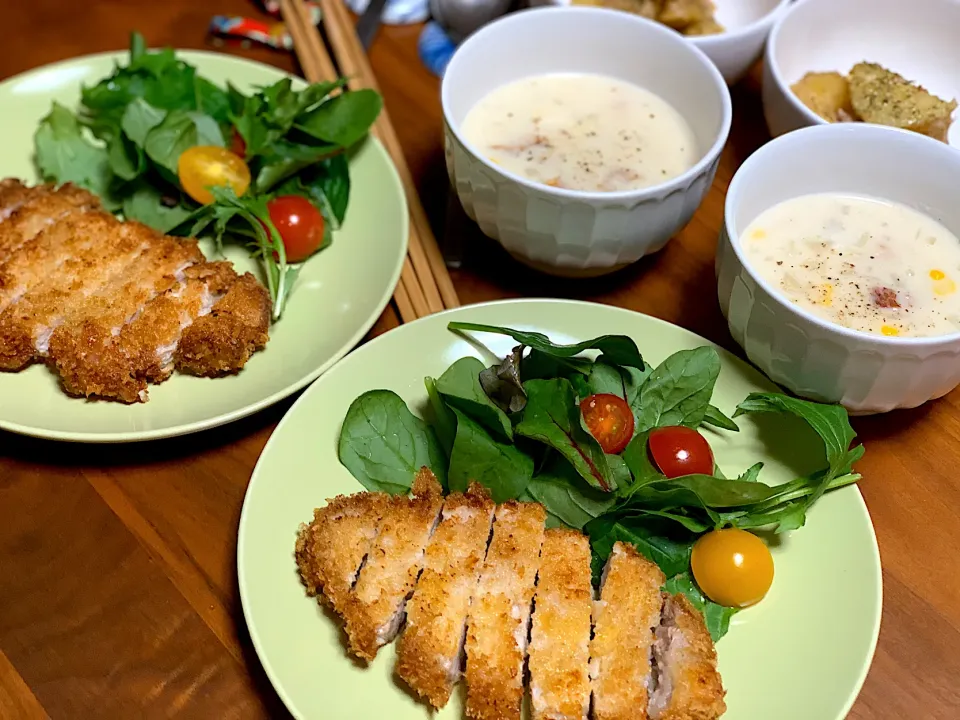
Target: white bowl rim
[
  {"x": 805, "y": 135},
  {"x": 768, "y": 18},
  {"x": 680, "y": 182}
]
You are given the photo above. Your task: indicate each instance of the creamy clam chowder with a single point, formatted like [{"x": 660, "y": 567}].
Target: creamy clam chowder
[
  {"x": 866, "y": 264},
  {"x": 582, "y": 132}
]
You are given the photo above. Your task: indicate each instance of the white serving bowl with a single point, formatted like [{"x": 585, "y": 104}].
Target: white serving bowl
[
  {"x": 812, "y": 357},
  {"x": 918, "y": 39},
  {"x": 568, "y": 232},
  {"x": 747, "y": 24}
]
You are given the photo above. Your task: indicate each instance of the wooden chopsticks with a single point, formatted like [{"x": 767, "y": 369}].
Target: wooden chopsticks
[{"x": 425, "y": 286}]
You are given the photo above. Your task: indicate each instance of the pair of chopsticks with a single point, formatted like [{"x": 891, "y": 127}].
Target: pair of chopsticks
[{"x": 425, "y": 286}]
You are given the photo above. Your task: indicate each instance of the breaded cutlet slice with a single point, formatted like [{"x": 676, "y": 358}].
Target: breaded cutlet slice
[
  {"x": 221, "y": 342},
  {"x": 499, "y": 617},
  {"x": 13, "y": 193},
  {"x": 331, "y": 549},
  {"x": 559, "y": 653},
  {"x": 26, "y": 326},
  {"x": 40, "y": 208},
  {"x": 624, "y": 619},
  {"x": 429, "y": 652},
  {"x": 374, "y": 611},
  {"x": 77, "y": 347},
  {"x": 689, "y": 686}
]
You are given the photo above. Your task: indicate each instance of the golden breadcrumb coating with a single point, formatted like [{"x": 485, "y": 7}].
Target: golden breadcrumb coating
[
  {"x": 500, "y": 613},
  {"x": 687, "y": 664},
  {"x": 33, "y": 209},
  {"x": 374, "y": 611},
  {"x": 331, "y": 548},
  {"x": 429, "y": 651},
  {"x": 624, "y": 619},
  {"x": 560, "y": 633}
]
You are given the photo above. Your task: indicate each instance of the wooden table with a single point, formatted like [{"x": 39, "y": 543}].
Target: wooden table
[{"x": 118, "y": 590}]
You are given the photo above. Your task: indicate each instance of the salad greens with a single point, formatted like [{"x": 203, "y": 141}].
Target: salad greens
[
  {"x": 516, "y": 427},
  {"x": 124, "y": 142}
]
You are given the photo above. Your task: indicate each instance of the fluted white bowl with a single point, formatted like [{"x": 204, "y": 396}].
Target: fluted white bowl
[
  {"x": 812, "y": 357},
  {"x": 919, "y": 39},
  {"x": 568, "y": 232}
]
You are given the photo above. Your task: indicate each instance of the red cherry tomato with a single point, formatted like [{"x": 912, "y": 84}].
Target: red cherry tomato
[
  {"x": 609, "y": 420},
  {"x": 680, "y": 451},
  {"x": 300, "y": 225},
  {"x": 237, "y": 144}
]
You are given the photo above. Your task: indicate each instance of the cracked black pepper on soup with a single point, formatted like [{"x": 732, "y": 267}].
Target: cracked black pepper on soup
[
  {"x": 582, "y": 132},
  {"x": 860, "y": 262}
]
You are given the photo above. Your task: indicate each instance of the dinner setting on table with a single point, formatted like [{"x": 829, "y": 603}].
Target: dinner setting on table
[{"x": 485, "y": 359}]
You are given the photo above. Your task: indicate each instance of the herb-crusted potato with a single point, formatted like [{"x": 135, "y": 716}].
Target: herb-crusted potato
[
  {"x": 881, "y": 96},
  {"x": 827, "y": 94}
]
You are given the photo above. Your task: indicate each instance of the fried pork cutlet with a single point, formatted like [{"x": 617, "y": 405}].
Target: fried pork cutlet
[
  {"x": 33, "y": 209},
  {"x": 560, "y": 632},
  {"x": 886, "y": 98},
  {"x": 78, "y": 346},
  {"x": 331, "y": 549},
  {"x": 624, "y": 620},
  {"x": 430, "y": 651},
  {"x": 374, "y": 612},
  {"x": 26, "y": 326},
  {"x": 688, "y": 684},
  {"x": 499, "y": 618},
  {"x": 12, "y": 195},
  {"x": 222, "y": 341}
]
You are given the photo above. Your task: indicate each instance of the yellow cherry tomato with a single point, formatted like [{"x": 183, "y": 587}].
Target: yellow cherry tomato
[
  {"x": 733, "y": 567},
  {"x": 202, "y": 166}
]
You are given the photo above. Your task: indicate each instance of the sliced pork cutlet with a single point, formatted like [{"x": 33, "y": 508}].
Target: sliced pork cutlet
[
  {"x": 78, "y": 346},
  {"x": 43, "y": 247},
  {"x": 26, "y": 326},
  {"x": 499, "y": 618},
  {"x": 36, "y": 208},
  {"x": 13, "y": 193},
  {"x": 624, "y": 620},
  {"x": 429, "y": 653},
  {"x": 221, "y": 342},
  {"x": 685, "y": 663},
  {"x": 559, "y": 655},
  {"x": 331, "y": 549},
  {"x": 374, "y": 612}
]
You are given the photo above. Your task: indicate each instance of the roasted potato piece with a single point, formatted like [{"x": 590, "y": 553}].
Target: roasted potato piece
[
  {"x": 881, "y": 96},
  {"x": 827, "y": 94}
]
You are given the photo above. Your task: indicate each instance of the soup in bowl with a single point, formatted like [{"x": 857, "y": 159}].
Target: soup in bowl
[
  {"x": 838, "y": 265},
  {"x": 550, "y": 143}
]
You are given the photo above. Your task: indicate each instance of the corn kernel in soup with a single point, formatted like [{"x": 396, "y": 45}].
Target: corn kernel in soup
[
  {"x": 582, "y": 132},
  {"x": 863, "y": 263}
]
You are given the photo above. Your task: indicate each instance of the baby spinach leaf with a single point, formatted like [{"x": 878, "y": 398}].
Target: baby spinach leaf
[
  {"x": 619, "y": 472},
  {"x": 331, "y": 177},
  {"x": 211, "y": 100},
  {"x": 500, "y": 467},
  {"x": 714, "y": 416},
  {"x": 539, "y": 365},
  {"x": 460, "y": 386},
  {"x": 126, "y": 159},
  {"x": 661, "y": 542},
  {"x": 678, "y": 390},
  {"x": 704, "y": 490},
  {"x": 284, "y": 159},
  {"x": 637, "y": 459},
  {"x": 146, "y": 204},
  {"x": 383, "y": 444},
  {"x": 65, "y": 155},
  {"x": 552, "y": 416},
  {"x": 444, "y": 421},
  {"x": 178, "y": 131},
  {"x": 502, "y": 385},
  {"x": 752, "y": 473},
  {"x": 343, "y": 120},
  {"x": 139, "y": 118},
  {"x": 561, "y": 490},
  {"x": 716, "y": 617},
  {"x": 619, "y": 349}
]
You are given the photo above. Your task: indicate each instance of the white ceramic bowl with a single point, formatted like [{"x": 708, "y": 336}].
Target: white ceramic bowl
[
  {"x": 810, "y": 356},
  {"x": 747, "y": 24},
  {"x": 919, "y": 39},
  {"x": 568, "y": 232}
]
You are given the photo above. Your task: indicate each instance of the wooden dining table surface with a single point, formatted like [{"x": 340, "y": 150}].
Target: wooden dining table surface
[{"x": 118, "y": 581}]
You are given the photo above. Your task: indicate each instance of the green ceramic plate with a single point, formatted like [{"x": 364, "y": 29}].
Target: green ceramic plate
[
  {"x": 801, "y": 654},
  {"x": 339, "y": 295}
]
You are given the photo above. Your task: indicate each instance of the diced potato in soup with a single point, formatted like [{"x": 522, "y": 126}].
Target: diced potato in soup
[
  {"x": 863, "y": 263},
  {"x": 582, "y": 132}
]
